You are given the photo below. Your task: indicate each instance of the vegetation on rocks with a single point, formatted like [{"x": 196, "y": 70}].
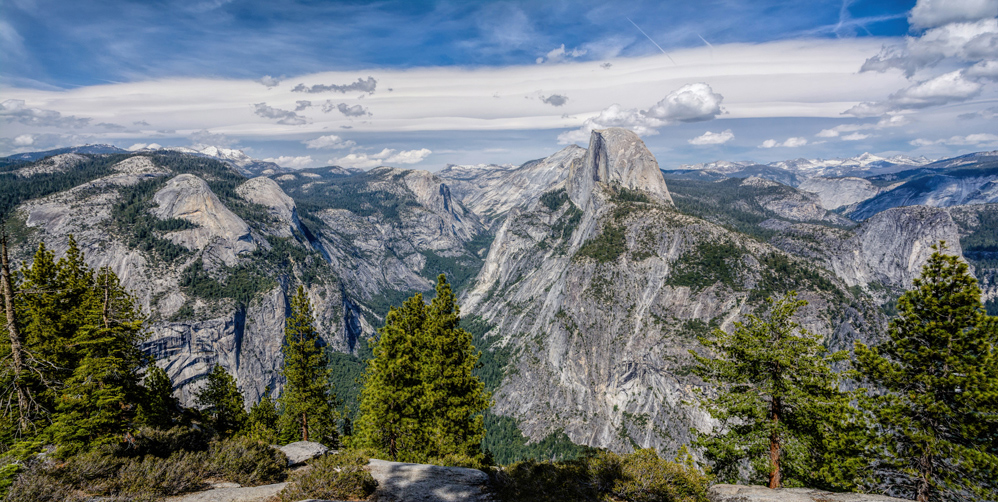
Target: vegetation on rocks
[{"x": 338, "y": 476}]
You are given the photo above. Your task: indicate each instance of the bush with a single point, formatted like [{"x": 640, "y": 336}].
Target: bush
[
  {"x": 151, "y": 476},
  {"x": 247, "y": 462},
  {"x": 334, "y": 477},
  {"x": 638, "y": 477},
  {"x": 163, "y": 443}
]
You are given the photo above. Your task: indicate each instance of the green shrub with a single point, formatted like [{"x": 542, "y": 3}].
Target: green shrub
[
  {"x": 644, "y": 477},
  {"x": 247, "y": 462},
  {"x": 163, "y": 443},
  {"x": 607, "y": 246},
  {"x": 150, "y": 476},
  {"x": 334, "y": 477}
]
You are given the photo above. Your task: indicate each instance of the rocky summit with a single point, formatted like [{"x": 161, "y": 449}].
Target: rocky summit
[{"x": 587, "y": 275}]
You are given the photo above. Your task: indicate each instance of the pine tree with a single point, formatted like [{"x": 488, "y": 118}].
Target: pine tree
[
  {"x": 159, "y": 407},
  {"x": 98, "y": 402},
  {"x": 221, "y": 403},
  {"x": 456, "y": 397},
  {"x": 394, "y": 412},
  {"x": 776, "y": 398},
  {"x": 420, "y": 401},
  {"x": 934, "y": 392},
  {"x": 263, "y": 419},
  {"x": 308, "y": 402}
]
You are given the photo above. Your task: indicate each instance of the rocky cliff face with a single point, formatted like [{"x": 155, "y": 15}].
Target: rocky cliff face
[
  {"x": 837, "y": 192},
  {"x": 599, "y": 296}
]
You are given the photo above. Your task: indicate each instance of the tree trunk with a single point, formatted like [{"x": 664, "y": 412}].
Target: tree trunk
[
  {"x": 774, "y": 447},
  {"x": 924, "y": 487},
  {"x": 304, "y": 427},
  {"x": 16, "y": 344}
]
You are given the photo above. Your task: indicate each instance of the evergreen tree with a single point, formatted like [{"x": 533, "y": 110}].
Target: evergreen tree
[
  {"x": 98, "y": 402},
  {"x": 159, "y": 408},
  {"x": 776, "y": 398},
  {"x": 934, "y": 392},
  {"x": 455, "y": 396},
  {"x": 420, "y": 401},
  {"x": 308, "y": 403},
  {"x": 221, "y": 403},
  {"x": 263, "y": 418},
  {"x": 394, "y": 416}
]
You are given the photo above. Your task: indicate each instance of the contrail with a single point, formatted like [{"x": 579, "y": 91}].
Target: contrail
[
  {"x": 705, "y": 41},
  {"x": 652, "y": 41}
]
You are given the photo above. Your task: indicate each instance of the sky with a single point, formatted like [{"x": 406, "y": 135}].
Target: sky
[{"x": 424, "y": 84}]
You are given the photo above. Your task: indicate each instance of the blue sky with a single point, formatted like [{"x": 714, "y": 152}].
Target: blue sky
[{"x": 424, "y": 84}]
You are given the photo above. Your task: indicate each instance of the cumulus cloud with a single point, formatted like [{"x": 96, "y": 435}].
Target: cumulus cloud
[
  {"x": 931, "y": 13},
  {"x": 269, "y": 81},
  {"x": 362, "y": 85},
  {"x": 205, "y": 138},
  {"x": 967, "y": 42},
  {"x": 856, "y": 136},
  {"x": 141, "y": 123},
  {"x": 24, "y": 140},
  {"x": 712, "y": 138},
  {"x": 286, "y": 117},
  {"x": 789, "y": 143},
  {"x": 301, "y": 105},
  {"x": 883, "y": 123},
  {"x": 15, "y": 110},
  {"x": 292, "y": 162},
  {"x": 559, "y": 54},
  {"x": 345, "y": 109},
  {"x": 978, "y": 139},
  {"x": 984, "y": 70},
  {"x": 143, "y": 146},
  {"x": 947, "y": 88},
  {"x": 690, "y": 103},
  {"x": 384, "y": 157},
  {"x": 555, "y": 99},
  {"x": 330, "y": 142}
]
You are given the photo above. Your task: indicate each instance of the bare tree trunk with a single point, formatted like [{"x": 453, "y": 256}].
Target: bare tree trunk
[
  {"x": 105, "y": 312},
  {"x": 304, "y": 427},
  {"x": 924, "y": 486},
  {"x": 16, "y": 343},
  {"x": 774, "y": 447}
]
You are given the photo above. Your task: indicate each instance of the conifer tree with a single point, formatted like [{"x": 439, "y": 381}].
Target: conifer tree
[
  {"x": 934, "y": 392},
  {"x": 307, "y": 403},
  {"x": 456, "y": 397},
  {"x": 159, "y": 407},
  {"x": 98, "y": 402},
  {"x": 263, "y": 419},
  {"x": 221, "y": 403},
  {"x": 775, "y": 398},
  {"x": 394, "y": 411}
]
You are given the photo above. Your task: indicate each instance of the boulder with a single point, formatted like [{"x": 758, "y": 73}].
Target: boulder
[
  {"x": 302, "y": 451},
  {"x": 263, "y": 493},
  {"x": 742, "y": 493},
  {"x": 399, "y": 481}
]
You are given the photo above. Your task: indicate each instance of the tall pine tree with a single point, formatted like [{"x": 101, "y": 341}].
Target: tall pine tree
[
  {"x": 308, "y": 402},
  {"x": 159, "y": 408},
  {"x": 221, "y": 402},
  {"x": 98, "y": 403},
  {"x": 420, "y": 401},
  {"x": 394, "y": 410},
  {"x": 776, "y": 397},
  {"x": 934, "y": 392},
  {"x": 456, "y": 397}
]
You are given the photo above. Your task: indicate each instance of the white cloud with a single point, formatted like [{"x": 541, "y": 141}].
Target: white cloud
[
  {"x": 947, "y": 88},
  {"x": 856, "y": 136},
  {"x": 292, "y": 162},
  {"x": 789, "y": 143},
  {"x": 559, "y": 54},
  {"x": 555, "y": 99},
  {"x": 205, "y": 138},
  {"x": 286, "y": 117},
  {"x": 269, "y": 81},
  {"x": 386, "y": 156},
  {"x": 24, "y": 140},
  {"x": 330, "y": 141},
  {"x": 712, "y": 138},
  {"x": 984, "y": 70},
  {"x": 689, "y": 103},
  {"x": 931, "y": 13},
  {"x": 16, "y": 110},
  {"x": 978, "y": 139}
]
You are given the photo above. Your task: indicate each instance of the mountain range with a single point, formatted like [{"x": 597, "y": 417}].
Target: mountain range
[{"x": 585, "y": 276}]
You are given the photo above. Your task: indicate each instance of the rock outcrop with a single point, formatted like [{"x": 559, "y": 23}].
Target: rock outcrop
[
  {"x": 266, "y": 192},
  {"x": 427, "y": 483},
  {"x": 616, "y": 156},
  {"x": 300, "y": 452},
  {"x": 742, "y": 493},
  {"x": 837, "y": 192},
  {"x": 189, "y": 198}
]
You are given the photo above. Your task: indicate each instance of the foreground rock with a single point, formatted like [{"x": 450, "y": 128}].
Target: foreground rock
[
  {"x": 302, "y": 451},
  {"x": 427, "y": 483},
  {"x": 740, "y": 493},
  {"x": 226, "y": 494}
]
